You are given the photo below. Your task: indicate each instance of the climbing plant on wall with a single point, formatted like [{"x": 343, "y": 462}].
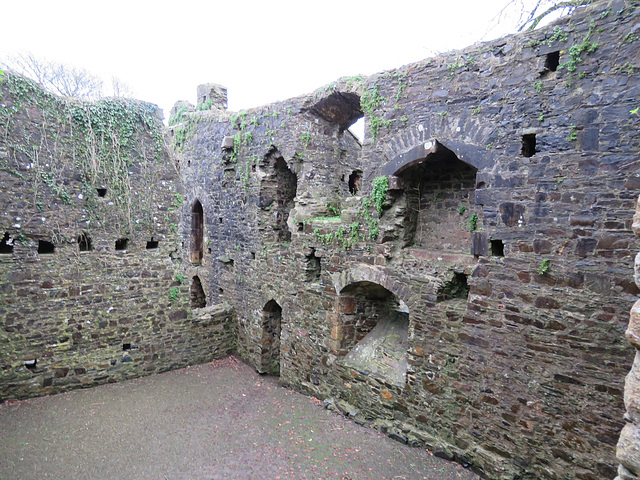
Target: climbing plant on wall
[{"x": 100, "y": 141}]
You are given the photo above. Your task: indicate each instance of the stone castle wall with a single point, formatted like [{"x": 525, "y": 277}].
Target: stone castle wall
[
  {"x": 462, "y": 279},
  {"x": 90, "y": 284}
]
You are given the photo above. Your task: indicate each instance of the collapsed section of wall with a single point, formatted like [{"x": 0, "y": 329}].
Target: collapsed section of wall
[{"x": 90, "y": 285}]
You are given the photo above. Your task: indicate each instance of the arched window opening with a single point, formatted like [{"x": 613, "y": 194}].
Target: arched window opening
[
  {"x": 440, "y": 196},
  {"x": 372, "y": 333},
  {"x": 270, "y": 341},
  {"x": 197, "y": 233},
  {"x": 198, "y": 298}
]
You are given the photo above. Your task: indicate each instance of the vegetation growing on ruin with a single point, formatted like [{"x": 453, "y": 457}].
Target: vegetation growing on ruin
[{"x": 99, "y": 140}]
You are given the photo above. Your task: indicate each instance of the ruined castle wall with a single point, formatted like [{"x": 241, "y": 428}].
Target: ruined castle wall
[
  {"x": 90, "y": 290},
  {"x": 516, "y": 285}
]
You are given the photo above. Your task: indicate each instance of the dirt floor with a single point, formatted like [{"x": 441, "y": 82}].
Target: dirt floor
[{"x": 219, "y": 420}]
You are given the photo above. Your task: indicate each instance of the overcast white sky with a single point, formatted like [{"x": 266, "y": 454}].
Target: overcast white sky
[{"x": 262, "y": 51}]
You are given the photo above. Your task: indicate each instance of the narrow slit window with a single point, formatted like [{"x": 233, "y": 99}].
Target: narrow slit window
[{"x": 197, "y": 233}]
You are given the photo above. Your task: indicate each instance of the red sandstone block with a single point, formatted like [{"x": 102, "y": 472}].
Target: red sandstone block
[{"x": 346, "y": 304}]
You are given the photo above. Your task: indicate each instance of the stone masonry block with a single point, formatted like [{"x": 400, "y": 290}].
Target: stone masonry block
[
  {"x": 346, "y": 304},
  {"x": 633, "y": 330},
  {"x": 636, "y": 219},
  {"x": 632, "y": 390},
  {"x": 628, "y": 451},
  {"x": 337, "y": 332}
]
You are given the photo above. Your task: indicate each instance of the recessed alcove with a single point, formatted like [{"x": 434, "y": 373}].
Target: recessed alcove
[
  {"x": 31, "y": 365},
  {"x": 151, "y": 244},
  {"x": 455, "y": 288},
  {"x": 312, "y": 266},
  {"x": 373, "y": 331},
  {"x": 198, "y": 298},
  {"x": 439, "y": 191},
  {"x": 271, "y": 324}
]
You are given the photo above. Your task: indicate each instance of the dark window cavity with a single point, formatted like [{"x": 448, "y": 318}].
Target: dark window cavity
[
  {"x": 84, "y": 242},
  {"x": 45, "y": 247},
  {"x": 354, "y": 182},
  {"x": 6, "y": 245},
  {"x": 197, "y": 233},
  {"x": 121, "y": 243},
  {"x": 497, "y": 248},
  {"x": 528, "y": 145}
]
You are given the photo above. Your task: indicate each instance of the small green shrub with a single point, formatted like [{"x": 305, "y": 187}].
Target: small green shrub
[{"x": 544, "y": 266}]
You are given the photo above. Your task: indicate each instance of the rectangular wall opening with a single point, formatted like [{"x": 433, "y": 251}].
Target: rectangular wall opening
[
  {"x": 121, "y": 243},
  {"x": 497, "y": 248},
  {"x": 6, "y": 245},
  {"x": 45, "y": 247}
]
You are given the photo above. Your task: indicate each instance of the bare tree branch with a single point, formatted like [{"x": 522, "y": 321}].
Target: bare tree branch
[{"x": 55, "y": 77}]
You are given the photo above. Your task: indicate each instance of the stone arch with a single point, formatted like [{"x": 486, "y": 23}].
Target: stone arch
[
  {"x": 340, "y": 106},
  {"x": 196, "y": 252},
  {"x": 436, "y": 189},
  {"x": 271, "y": 326},
  {"x": 371, "y": 331}
]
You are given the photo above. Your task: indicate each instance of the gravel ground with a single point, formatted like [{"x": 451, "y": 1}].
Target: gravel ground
[{"x": 219, "y": 420}]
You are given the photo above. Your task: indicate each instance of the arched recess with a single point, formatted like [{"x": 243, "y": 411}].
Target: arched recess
[
  {"x": 439, "y": 191},
  {"x": 198, "y": 298},
  {"x": 270, "y": 341},
  {"x": 371, "y": 331},
  {"x": 197, "y": 233},
  {"x": 277, "y": 192}
]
